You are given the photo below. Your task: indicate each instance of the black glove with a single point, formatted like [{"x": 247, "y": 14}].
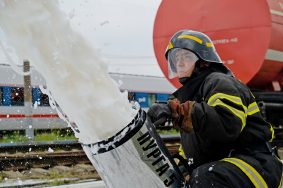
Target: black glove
[{"x": 159, "y": 113}]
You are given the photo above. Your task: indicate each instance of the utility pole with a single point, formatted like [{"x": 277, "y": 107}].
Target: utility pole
[{"x": 28, "y": 101}]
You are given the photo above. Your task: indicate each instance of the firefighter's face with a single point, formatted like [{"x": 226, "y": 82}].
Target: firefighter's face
[{"x": 185, "y": 63}]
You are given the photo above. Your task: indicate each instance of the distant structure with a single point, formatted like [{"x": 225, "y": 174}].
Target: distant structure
[{"x": 143, "y": 89}]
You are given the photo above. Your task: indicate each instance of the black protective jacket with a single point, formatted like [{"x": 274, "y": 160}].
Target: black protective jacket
[{"x": 226, "y": 122}]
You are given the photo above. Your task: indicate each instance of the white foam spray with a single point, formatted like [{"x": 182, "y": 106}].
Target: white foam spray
[{"x": 78, "y": 80}]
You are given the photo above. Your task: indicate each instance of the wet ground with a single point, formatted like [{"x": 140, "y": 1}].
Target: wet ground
[
  {"x": 80, "y": 175},
  {"x": 58, "y": 175}
]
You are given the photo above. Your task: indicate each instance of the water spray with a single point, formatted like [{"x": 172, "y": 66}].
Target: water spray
[{"x": 121, "y": 142}]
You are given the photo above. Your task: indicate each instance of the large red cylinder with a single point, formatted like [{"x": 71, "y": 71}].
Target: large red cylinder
[{"x": 248, "y": 35}]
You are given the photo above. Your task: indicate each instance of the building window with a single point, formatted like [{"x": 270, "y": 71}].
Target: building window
[
  {"x": 1, "y": 96},
  {"x": 44, "y": 100},
  {"x": 39, "y": 98},
  {"x": 17, "y": 96}
]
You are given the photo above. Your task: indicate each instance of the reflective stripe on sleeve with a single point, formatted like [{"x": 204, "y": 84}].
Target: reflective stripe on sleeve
[
  {"x": 236, "y": 112},
  {"x": 252, "y": 109},
  {"x": 215, "y": 100},
  {"x": 250, "y": 171},
  {"x": 231, "y": 98}
]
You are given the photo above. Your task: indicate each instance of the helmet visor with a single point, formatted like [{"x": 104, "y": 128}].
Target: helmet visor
[{"x": 180, "y": 62}]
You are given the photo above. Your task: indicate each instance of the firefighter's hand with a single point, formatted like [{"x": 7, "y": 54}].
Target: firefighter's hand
[
  {"x": 181, "y": 114},
  {"x": 159, "y": 113}
]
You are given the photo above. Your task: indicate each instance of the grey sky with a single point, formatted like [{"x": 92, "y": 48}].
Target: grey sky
[{"x": 121, "y": 30}]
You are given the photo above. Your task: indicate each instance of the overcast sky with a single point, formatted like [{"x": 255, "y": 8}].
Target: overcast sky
[{"x": 121, "y": 30}]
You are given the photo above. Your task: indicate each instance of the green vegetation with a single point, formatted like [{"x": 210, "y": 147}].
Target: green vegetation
[
  {"x": 168, "y": 132},
  {"x": 56, "y": 175},
  {"x": 39, "y": 135},
  {"x": 51, "y": 135},
  {"x": 2, "y": 177},
  {"x": 61, "y": 182},
  {"x": 18, "y": 136},
  {"x": 12, "y": 137},
  {"x": 58, "y": 178}
]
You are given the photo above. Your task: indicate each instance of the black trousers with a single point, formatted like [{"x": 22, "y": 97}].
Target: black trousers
[
  {"x": 224, "y": 174},
  {"x": 218, "y": 174}
]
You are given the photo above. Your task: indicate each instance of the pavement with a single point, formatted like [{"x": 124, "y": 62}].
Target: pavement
[{"x": 92, "y": 184}]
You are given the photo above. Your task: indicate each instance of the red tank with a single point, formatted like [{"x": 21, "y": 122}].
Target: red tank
[{"x": 248, "y": 35}]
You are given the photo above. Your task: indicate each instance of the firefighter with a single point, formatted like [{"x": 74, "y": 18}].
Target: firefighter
[{"x": 224, "y": 137}]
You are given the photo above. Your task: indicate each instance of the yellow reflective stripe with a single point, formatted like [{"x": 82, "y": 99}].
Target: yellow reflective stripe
[
  {"x": 272, "y": 132},
  {"x": 233, "y": 99},
  {"x": 209, "y": 44},
  {"x": 198, "y": 40},
  {"x": 252, "y": 109},
  {"x": 182, "y": 153},
  {"x": 253, "y": 175},
  {"x": 280, "y": 184},
  {"x": 170, "y": 46},
  {"x": 236, "y": 112}
]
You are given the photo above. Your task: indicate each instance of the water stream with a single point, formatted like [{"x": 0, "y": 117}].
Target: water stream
[
  {"x": 114, "y": 136},
  {"x": 76, "y": 77}
]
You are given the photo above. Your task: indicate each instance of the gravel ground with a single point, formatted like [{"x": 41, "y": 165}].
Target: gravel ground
[{"x": 57, "y": 175}]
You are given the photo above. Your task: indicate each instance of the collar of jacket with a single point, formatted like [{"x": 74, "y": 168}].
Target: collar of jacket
[{"x": 190, "y": 88}]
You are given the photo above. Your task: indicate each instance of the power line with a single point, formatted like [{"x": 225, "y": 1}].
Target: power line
[
  {"x": 126, "y": 57},
  {"x": 132, "y": 64}
]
